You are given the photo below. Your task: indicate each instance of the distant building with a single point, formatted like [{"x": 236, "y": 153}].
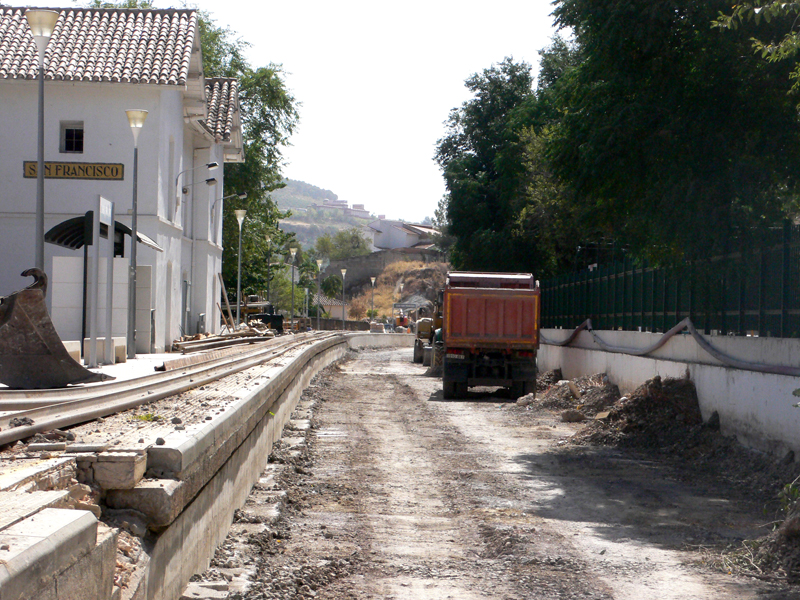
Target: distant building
[
  {"x": 386, "y": 234},
  {"x": 332, "y": 306},
  {"x": 357, "y": 210}
]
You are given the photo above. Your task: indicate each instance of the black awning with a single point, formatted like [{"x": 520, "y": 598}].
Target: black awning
[{"x": 74, "y": 233}]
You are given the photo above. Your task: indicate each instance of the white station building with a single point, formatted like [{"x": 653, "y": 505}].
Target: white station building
[{"x": 98, "y": 64}]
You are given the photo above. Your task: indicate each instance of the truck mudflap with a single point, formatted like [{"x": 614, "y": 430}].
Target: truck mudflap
[{"x": 32, "y": 355}]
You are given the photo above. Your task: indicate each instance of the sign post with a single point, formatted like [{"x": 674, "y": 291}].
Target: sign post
[{"x": 103, "y": 215}]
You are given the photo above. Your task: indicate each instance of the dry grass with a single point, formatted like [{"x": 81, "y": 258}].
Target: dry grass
[{"x": 420, "y": 279}]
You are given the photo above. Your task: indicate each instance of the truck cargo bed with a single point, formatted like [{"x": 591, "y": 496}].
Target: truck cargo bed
[{"x": 491, "y": 318}]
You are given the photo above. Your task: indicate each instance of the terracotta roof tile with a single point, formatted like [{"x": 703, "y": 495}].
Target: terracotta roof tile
[
  {"x": 113, "y": 45},
  {"x": 222, "y": 101}
]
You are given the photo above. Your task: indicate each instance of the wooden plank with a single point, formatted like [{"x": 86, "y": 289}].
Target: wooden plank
[{"x": 225, "y": 295}]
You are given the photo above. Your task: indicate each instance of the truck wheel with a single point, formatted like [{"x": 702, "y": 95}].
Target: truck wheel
[
  {"x": 448, "y": 389},
  {"x": 522, "y": 388},
  {"x": 417, "y": 352},
  {"x": 529, "y": 387}
]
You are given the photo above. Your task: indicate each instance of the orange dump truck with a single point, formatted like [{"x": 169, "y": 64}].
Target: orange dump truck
[{"x": 490, "y": 332}]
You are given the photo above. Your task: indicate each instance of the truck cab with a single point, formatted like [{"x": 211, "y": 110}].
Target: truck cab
[{"x": 490, "y": 332}]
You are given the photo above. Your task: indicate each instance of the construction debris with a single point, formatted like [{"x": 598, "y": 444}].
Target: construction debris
[
  {"x": 248, "y": 335},
  {"x": 656, "y": 414}
]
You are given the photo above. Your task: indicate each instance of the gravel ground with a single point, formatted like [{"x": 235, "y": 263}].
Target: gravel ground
[{"x": 381, "y": 489}]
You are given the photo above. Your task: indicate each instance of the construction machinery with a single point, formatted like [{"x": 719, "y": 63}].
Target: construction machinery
[
  {"x": 426, "y": 329},
  {"x": 32, "y": 355}
]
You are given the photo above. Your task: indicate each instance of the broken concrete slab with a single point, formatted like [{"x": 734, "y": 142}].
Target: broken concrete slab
[
  {"x": 161, "y": 500},
  {"x": 48, "y": 447},
  {"x": 119, "y": 471}
]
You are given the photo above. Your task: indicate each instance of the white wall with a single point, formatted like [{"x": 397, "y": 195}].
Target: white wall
[
  {"x": 167, "y": 146},
  {"x": 755, "y": 407}
]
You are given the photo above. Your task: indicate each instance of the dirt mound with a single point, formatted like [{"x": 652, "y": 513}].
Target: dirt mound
[
  {"x": 656, "y": 414},
  {"x": 548, "y": 378},
  {"x": 587, "y": 395}
]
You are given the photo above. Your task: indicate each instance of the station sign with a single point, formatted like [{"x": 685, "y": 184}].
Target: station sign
[{"x": 68, "y": 170}]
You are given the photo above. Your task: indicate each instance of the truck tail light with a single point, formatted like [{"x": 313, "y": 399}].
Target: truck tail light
[
  {"x": 453, "y": 353},
  {"x": 524, "y": 354}
]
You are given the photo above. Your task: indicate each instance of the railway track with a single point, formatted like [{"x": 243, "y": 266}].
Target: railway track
[{"x": 54, "y": 409}]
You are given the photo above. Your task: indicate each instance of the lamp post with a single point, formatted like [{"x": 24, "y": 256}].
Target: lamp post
[
  {"x": 240, "y": 195},
  {"x": 269, "y": 259},
  {"x": 136, "y": 119},
  {"x": 41, "y": 23},
  {"x": 372, "y": 310},
  {"x": 240, "y": 214},
  {"x": 305, "y": 303},
  {"x": 319, "y": 289},
  {"x": 292, "y": 251},
  {"x": 344, "y": 304}
]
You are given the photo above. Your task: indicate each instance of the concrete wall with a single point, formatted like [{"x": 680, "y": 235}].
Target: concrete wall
[
  {"x": 755, "y": 407},
  {"x": 66, "y": 289},
  {"x": 334, "y": 324}
]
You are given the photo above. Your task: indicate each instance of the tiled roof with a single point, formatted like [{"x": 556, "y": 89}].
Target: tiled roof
[
  {"x": 114, "y": 45},
  {"x": 325, "y": 301},
  {"x": 222, "y": 100}
]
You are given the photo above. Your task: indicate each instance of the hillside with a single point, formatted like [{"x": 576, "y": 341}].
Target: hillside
[
  {"x": 299, "y": 194},
  {"x": 306, "y": 222}
]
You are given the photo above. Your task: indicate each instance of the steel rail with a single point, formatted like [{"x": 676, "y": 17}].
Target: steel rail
[
  {"x": 15, "y": 400},
  {"x": 104, "y": 400}
]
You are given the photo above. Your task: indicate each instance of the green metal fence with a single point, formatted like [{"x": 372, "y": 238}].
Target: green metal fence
[{"x": 752, "y": 291}]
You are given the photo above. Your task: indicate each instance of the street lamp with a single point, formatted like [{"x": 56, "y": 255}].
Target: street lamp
[
  {"x": 344, "y": 304},
  {"x": 372, "y": 310},
  {"x": 240, "y": 195},
  {"x": 136, "y": 119},
  {"x": 269, "y": 259},
  {"x": 240, "y": 214},
  {"x": 319, "y": 289},
  {"x": 292, "y": 251},
  {"x": 185, "y": 189},
  {"x": 41, "y": 23}
]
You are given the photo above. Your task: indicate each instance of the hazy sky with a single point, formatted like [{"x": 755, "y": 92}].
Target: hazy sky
[{"x": 376, "y": 80}]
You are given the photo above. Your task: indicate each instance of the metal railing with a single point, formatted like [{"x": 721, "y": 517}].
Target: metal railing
[{"x": 754, "y": 291}]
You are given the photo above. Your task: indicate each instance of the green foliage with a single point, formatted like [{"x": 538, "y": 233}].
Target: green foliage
[
  {"x": 332, "y": 286},
  {"x": 269, "y": 116},
  {"x": 505, "y": 210},
  {"x": 777, "y": 21},
  {"x": 347, "y": 243},
  {"x": 673, "y": 137},
  {"x": 479, "y": 157}
]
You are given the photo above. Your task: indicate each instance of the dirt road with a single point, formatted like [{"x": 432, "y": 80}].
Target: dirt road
[{"x": 399, "y": 494}]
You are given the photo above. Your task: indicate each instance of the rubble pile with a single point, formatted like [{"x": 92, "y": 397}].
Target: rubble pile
[
  {"x": 547, "y": 379},
  {"x": 658, "y": 413},
  {"x": 579, "y": 399}
]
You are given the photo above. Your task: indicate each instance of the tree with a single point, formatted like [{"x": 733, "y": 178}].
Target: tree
[
  {"x": 776, "y": 19},
  {"x": 479, "y": 157},
  {"x": 672, "y": 137},
  {"x": 345, "y": 243},
  {"x": 269, "y": 116},
  {"x": 332, "y": 286}
]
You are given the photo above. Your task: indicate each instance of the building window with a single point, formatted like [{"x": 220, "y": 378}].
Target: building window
[{"x": 71, "y": 137}]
